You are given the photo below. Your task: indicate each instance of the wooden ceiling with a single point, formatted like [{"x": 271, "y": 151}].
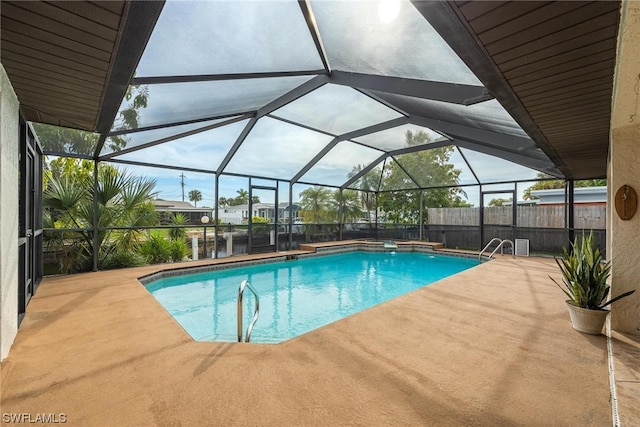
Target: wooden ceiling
[
  {"x": 58, "y": 57},
  {"x": 551, "y": 65},
  {"x": 66, "y": 60}
]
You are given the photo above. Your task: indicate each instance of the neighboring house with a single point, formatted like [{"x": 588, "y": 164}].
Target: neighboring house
[
  {"x": 593, "y": 196},
  {"x": 168, "y": 207},
  {"x": 239, "y": 214},
  {"x": 590, "y": 205},
  {"x": 283, "y": 212}
]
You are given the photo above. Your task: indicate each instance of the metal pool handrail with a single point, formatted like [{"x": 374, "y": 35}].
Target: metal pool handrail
[
  {"x": 501, "y": 243},
  {"x": 487, "y": 247},
  {"x": 256, "y": 310}
]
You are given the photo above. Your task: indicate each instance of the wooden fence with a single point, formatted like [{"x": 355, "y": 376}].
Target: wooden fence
[{"x": 585, "y": 217}]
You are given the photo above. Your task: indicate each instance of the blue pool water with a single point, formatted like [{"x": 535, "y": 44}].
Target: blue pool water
[{"x": 297, "y": 296}]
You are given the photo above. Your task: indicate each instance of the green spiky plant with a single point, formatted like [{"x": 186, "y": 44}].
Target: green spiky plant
[{"x": 585, "y": 274}]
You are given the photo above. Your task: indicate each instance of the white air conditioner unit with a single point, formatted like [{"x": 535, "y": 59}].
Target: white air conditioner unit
[{"x": 522, "y": 247}]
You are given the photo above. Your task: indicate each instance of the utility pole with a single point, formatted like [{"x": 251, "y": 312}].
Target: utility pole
[{"x": 182, "y": 184}]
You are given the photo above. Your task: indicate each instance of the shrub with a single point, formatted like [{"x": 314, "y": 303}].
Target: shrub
[
  {"x": 179, "y": 250},
  {"x": 123, "y": 259},
  {"x": 156, "y": 248},
  {"x": 178, "y": 219},
  {"x": 260, "y": 225}
]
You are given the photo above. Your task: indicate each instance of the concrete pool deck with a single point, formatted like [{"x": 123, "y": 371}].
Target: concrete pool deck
[{"x": 489, "y": 346}]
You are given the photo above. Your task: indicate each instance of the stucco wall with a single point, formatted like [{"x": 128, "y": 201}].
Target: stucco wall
[
  {"x": 624, "y": 168},
  {"x": 9, "y": 169}
]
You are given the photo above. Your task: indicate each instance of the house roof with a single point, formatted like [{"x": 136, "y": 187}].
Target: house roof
[
  {"x": 174, "y": 204},
  {"x": 528, "y": 83},
  {"x": 580, "y": 194}
]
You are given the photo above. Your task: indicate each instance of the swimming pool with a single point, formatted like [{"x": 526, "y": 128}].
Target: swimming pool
[{"x": 297, "y": 296}]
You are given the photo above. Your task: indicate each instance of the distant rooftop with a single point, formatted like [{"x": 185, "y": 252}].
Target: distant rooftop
[
  {"x": 581, "y": 195},
  {"x": 178, "y": 205}
]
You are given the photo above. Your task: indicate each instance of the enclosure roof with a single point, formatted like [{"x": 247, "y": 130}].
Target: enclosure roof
[{"x": 321, "y": 92}]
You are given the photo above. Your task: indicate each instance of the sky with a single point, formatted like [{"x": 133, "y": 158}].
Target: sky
[
  {"x": 270, "y": 36},
  {"x": 168, "y": 186}
]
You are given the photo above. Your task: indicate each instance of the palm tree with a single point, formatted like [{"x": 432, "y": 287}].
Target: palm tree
[
  {"x": 351, "y": 207},
  {"x": 368, "y": 184},
  {"x": 195, "y": 196},
  {"x": 242, "y": 198},
  {"x": 316, "y": 204},
  {"x": 121, "y": 199}
]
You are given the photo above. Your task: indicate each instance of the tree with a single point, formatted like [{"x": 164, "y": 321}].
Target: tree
[
  {"x": 79, "y": 170},
  {"x": 317, "y": 205},
  {"x": 64, "y": 140},
  {"x": 429, "y": 169},
  {"x": 499, "y": 201},
  {"x": 61, "y": 140},
  {"x": 241, "y": 199},
  {"x": 138, "y": 98},
  {"x": 195, "y": 196},
  {"x": 368, "y": 185},
  {"x": 542, "y": 185},
  {"x": 122, "y": 200},
  {"x": 351, "y": 204},
  {"x": 591, "y": 183}
]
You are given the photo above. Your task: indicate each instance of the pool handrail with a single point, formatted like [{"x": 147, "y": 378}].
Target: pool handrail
[
  {"x": 256, "y": 310},
  {"x": 500, "y": 246},
  {"x": 487, "y": 246}
]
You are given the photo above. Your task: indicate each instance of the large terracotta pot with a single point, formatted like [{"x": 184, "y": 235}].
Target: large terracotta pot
[{"x": 587, "y": 320}]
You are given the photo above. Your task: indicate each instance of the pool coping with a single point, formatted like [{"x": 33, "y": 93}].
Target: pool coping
[{"x": 309, "y": 250}]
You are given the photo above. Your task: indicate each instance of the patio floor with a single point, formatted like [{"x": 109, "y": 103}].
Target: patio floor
[{"x": 490, "y": 346}]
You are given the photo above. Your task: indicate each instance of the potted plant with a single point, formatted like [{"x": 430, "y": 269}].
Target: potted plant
[{"x": 585, "y": 274}]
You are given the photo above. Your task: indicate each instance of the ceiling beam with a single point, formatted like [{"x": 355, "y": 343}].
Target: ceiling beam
[
  {"x": 424, "y": 89},
  {"x": 447, "y": 21},
  {"x": 155, "y": 165},
  {"x": 309, "y": 17},
  {"x": 292, "y": 95},
  {"x": 244, "y": 115},
  {"x": 509, "y": 147},
  {"x": 455, "y": 130},
  {"x": 525, "y": 159},
  {"x": 139, "y": 19},
  {"x": 219, "y": 77},
  {"x": 171, "y": 138},
  {"x": 236, "y": 145},
  {"x": 354, "y": 134},
  {"x": 364, "y": 171},
  {"x": 288, "y": 97}
]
